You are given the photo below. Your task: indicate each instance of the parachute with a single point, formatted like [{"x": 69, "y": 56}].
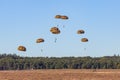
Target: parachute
[
  {"x": 55, "y": 30},
  {"x": 58, "y": 16},
  {"x": 80, "y": 32},
  {"x": 22, "y": 48},
  {"x": 64, "y": 17},
  {"x": 84, "y": 40},
  {"x": 61, "y": 17},
  {"x": 40, "y": 40}
]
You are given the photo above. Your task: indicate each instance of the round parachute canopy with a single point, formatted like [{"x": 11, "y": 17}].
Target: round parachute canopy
[
  {"x": 84, "y": 40},
  {"x": 64, "y": 17},
  {"x": 58, "y": 16},
  {"x": 55, "y": 30},
  {"x": 40, "y": 40},
  {"x": 21, "y": 48},
  {"x": 80, "y": 32}
]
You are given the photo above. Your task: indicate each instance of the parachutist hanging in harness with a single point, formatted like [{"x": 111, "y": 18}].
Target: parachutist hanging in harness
[
  {"x": 55, "y": 40},
  {"x": 84, "y": 49},
  {"x": 63, "y": 26},
  {"x": 57, "y": 25},
  {"x": 41, "y": 50}
]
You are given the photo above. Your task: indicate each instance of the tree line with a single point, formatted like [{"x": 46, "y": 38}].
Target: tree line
[{"x": 15, "y": 62}]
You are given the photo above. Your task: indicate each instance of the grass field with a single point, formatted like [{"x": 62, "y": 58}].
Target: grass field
[{"x": 61, "y": 74}]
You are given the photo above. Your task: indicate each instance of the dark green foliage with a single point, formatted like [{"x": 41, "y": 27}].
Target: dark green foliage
[{"x": 14, "y": 62}]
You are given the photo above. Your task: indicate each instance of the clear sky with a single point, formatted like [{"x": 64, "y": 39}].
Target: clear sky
[{"x": 24, "y": 21}]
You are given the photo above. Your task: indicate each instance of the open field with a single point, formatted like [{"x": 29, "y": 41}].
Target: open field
[{"x": 61, "y": 74}]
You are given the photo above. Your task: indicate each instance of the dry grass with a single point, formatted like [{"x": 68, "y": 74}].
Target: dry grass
[{"x": 61, "y": 74}]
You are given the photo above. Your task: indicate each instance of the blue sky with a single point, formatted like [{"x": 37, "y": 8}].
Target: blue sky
[{"x": 24, "y": 21}]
